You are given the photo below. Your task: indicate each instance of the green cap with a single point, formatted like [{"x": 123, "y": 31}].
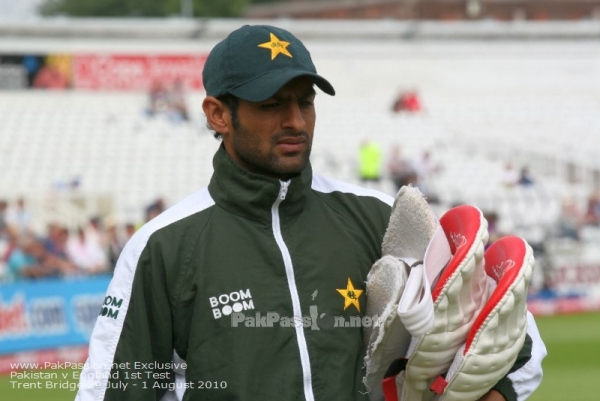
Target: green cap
[{"x": 254, "y": 62}]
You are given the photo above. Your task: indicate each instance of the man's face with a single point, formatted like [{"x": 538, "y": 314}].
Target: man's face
[{"x": 274, "y": 137}]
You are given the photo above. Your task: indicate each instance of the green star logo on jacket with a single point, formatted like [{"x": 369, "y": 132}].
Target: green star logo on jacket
[{"x": 351, "y": 295}]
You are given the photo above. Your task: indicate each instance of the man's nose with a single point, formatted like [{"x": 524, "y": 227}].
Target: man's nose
[{"x": 294, "y": 118}]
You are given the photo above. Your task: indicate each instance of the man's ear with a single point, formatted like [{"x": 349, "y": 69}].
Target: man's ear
[{"x": 217, "y": 115}]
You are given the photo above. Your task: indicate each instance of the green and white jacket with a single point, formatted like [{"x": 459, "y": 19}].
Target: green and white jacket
[{"x": 231, "y": 294}]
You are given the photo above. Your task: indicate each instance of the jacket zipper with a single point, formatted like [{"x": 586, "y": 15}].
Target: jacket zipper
[{"x": 289, "y": 271}]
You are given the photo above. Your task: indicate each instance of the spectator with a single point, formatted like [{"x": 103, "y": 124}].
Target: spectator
[
  {"x": 399, "y": 168},
  {"x": 369, "y": 162},
  {"x": 129, "y": 231},
  {"x": 494, "y": 233},
  {"x": 569, "y": 221},
  {"x": 95, "y": 231},
  {"x": 426, "y": 170},
  {"x": 55, "y": 246},
  {"x": 86, "y": 253},
  {"x": 154, "y": 209},
  {"x": 21, "y": 261},
  {"x": 170, "y": 102},
  {"x": 54, "y": 242},
  {"x": 114, "y": 242},
  {"x": 158, "y": 98},
  {"x": 31, "y": 260},
  {"x": 510, "y": 177},
  {"x": 3, "y": 218},
  {"x": 425, "y": 167},
  {"x": 592, "y": 213},
  {"x": 10, "y": 245},
  {"x": 525, "y": 178},
  {"x": 407, "y": 101},
  {"x": 4, "y": 239},
  {"x": 19, "y": 217},
  {"x": 178, "y": 106}
]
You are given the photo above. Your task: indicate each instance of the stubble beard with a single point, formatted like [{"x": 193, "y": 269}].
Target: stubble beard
[{"x": 270, "y": 164}]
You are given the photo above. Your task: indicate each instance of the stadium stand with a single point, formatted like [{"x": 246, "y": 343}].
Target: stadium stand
[
  {"x": 105, "y": 142},
  {"x": 77, "y": 154}
]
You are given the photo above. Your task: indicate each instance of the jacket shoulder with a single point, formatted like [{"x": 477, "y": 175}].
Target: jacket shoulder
[
  {"x": 368, "y": 208},
  {"x": 326, "y": 185},
  {"x": 166, "y": 221}
]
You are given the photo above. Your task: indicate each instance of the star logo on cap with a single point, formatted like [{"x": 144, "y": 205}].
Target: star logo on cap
[
  {"x": 276, "y": 46},
  {"x": 350, "y": 295}
]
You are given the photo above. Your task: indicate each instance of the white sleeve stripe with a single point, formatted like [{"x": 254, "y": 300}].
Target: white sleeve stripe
[
  {"x": 328, "y": 185},
  {"x": 528, "y": 378},
  {"x": 107, "y": 331}
]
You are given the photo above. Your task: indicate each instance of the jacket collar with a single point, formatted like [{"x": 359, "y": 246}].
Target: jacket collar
[{"x": 251, "y": 195}]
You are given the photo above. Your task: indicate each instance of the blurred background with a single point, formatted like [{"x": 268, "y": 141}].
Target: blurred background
[{"x": 494, "y": 103}]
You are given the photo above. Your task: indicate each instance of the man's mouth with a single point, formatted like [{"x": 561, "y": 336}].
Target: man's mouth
[{"x": 292, "y": 144}]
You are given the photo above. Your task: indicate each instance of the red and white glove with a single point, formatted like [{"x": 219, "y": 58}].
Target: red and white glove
[
  {"x": 458, "y": 296},
  {"x": 498, "y": 333}
]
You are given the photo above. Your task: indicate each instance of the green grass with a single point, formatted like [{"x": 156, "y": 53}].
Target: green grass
[
  {"x": 571, "y": 369},
  {"x": 65, "y": 377}
]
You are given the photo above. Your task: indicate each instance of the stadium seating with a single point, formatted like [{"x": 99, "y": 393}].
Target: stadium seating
[
  {"x": 484, "y": 105},
  {"x": 103, "y": 141}
]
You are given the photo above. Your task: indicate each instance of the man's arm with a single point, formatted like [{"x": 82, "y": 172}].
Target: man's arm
[{"x": 133, "y": 332}]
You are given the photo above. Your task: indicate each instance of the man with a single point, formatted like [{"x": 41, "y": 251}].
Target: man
[
  {"x": 230, "y": 294},
  {"x": 369, "y": 162}
]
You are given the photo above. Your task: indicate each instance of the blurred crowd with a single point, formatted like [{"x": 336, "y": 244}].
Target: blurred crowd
[
  {"x": 94, "y": 247},
  {"x": 407, "y": 101},
  {"x": 419, "y": 172},
  {"x": 60, "y": 251},
  {"x": 511, "y": 177},
  {"x": 168, "y": 100},
  {"x": 375, "y": 167},
  {"x": 573, "y": 219}
]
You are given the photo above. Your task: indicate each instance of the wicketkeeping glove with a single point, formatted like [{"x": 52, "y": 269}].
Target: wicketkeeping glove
[
  {"x": 457, "y": 296},
  {"x": 415, "y": 251},
  {"x": 498, "y": 333},
  {"x": 478, "y": 306}
]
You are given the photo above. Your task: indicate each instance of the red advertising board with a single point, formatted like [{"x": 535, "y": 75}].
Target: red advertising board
[{"x": 135, "y": 72}]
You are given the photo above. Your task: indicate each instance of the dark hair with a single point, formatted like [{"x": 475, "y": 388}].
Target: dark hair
[{"x": 232, "y": 104}]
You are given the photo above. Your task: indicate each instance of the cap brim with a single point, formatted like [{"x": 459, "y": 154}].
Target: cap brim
[{"x": 266, "y": 85}]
